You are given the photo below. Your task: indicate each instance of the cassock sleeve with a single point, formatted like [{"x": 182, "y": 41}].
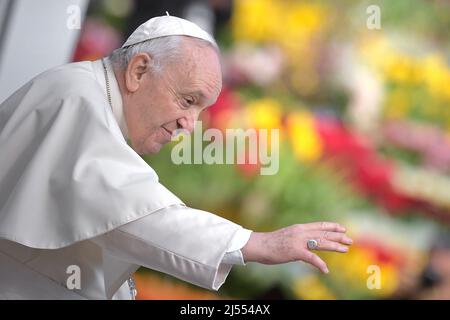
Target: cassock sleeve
[
  {"x": 193, "y": 245},
  {"x": 234, "y": 253}
]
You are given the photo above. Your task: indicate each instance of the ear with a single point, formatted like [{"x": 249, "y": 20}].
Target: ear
[{"x": 137, "y": 67}]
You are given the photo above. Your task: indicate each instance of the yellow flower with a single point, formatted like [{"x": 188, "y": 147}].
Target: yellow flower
[
  {"x": 264, "y": 113},
  {"x": 352, "y": 270},
  {"x": 306, "y": 142},
  {"x": 255, "y": 20},
  {"x": 287, "y": 23},
  {"x": 301, "y": 21},
  {"x": 295, "y": 26},
  {"x": 311, "y": 288},
  {"x": 436, "y": 75},
  {"x": 401, "y": 68}
]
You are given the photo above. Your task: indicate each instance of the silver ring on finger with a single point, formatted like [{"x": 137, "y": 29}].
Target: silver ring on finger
[{"x": 312, "y": 244}]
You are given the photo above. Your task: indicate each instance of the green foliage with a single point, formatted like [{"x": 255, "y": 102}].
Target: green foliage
[{"x": 298, "y": 193}]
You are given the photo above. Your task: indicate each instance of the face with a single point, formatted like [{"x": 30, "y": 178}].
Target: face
[{"x": 157, "y": 104}]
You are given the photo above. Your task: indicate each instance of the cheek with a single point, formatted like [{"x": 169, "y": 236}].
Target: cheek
[
  {"x": 157, "y": 108},
  {"x": 154, "y": 142}
]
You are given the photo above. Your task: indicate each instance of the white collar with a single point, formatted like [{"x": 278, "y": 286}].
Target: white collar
[{"x": 116, "y": 97}]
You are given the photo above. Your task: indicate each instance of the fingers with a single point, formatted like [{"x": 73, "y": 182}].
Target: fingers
[
  {"x": 332, "y": 241},
  {"x": 330, "y": 236},
  {"x": 336, "y": 237},
  {"x": 325, "y": 226},
  {"x": 326, "y": 245},
  {"x": 315, "y": 260}
]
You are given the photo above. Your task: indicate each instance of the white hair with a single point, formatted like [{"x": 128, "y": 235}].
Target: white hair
[{"x": 163, "y": 50}]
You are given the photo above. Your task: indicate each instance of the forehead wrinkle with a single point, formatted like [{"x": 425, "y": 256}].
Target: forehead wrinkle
[
  {"x": 206, "y": 89},
  {"x": 196, "y": 78},
  {"x": 201, "y": 82}
]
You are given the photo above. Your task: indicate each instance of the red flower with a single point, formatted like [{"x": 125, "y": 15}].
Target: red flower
[
  {"x": 339, "y": 141},
  {"x": 219, "y": 114},
  {"x": 371, "y": 174},
  {"x": 96, "y": 41},
  {"x": 383, "y": 253}
]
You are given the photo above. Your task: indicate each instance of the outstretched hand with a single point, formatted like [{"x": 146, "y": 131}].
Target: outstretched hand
[{"x": 290, "y": 244}]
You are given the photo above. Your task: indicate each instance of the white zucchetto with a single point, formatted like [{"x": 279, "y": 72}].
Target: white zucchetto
[{"x": 164, "y": 26}]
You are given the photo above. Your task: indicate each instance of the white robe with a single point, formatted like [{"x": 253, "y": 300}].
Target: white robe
[{"x": 72, "y": 192}]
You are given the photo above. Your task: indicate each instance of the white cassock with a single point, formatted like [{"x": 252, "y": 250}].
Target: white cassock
[{"x": 73, "y": 193}]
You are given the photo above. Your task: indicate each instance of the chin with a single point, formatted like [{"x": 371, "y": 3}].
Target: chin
[
  {"x": 151, "y": 145},
  {"x": 152, "y": 149}
]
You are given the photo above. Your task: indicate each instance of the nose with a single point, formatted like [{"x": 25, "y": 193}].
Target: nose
[{"x": 188, "y": 122}]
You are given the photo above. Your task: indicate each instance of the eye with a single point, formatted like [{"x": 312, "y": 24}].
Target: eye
[{"x": 188, "y": 101}]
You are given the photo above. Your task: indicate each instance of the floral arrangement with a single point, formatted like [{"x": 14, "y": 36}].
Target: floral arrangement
[
  {"x": 310, "y": 71},
  {"x": 329, "y": 170},
  {"x": 416, "y": 84}
]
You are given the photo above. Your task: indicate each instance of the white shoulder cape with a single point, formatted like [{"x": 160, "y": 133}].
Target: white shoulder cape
[{"x": 66, "y": 172}]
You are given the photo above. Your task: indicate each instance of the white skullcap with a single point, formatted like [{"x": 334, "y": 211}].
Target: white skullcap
[{"x": 163, "y": 26}]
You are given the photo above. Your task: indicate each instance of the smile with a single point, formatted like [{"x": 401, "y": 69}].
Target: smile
[{"x": 169, "y": 133}]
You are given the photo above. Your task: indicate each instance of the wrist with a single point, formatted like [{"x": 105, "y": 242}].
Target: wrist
[{"x": 254, "y": 250}]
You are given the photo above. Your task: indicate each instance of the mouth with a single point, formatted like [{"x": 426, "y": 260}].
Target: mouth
[{"x": 169, "y": 133}]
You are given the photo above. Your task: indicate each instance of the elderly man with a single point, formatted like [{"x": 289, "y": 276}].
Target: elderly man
[{"x": 80, "y": 210}]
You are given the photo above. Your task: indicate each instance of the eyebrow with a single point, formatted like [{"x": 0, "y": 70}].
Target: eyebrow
[
  {"x": 198, "y": 93},
  {"x": 201, "y": 94}
]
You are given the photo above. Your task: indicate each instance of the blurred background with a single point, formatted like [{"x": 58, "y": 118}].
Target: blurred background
[{"x": 360, "y": 91}]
